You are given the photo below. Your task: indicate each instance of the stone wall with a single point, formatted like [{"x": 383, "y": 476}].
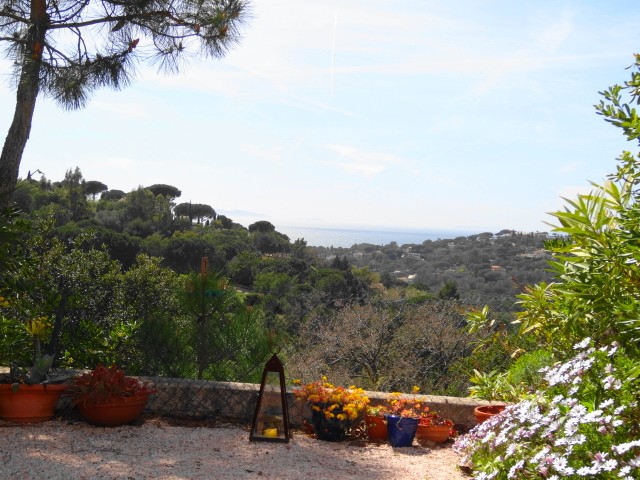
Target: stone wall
[{"x": 236, "y": 402}]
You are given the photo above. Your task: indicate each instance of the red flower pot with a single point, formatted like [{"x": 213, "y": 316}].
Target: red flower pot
[
  {"x": 433, "y": 433},
  {"x": 485, "y": 412},
  {"x": 29, "y": 403},
  {"x": 118, "y": 411},
  {"x": 376, "y": 428}
]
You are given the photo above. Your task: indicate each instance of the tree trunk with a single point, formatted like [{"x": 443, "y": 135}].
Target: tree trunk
[{"x": 26, "y": 95}]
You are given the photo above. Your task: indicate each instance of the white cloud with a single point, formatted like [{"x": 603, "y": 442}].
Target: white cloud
[
  {"x": 273, "y": 154},
  {"x": 354, "y": 160}
]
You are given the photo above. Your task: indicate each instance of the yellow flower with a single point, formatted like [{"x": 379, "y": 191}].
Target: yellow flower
[{"x": 39, "y": 327}]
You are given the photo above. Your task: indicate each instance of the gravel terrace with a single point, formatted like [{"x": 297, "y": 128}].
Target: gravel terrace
[{"x": 159, "y": 449}]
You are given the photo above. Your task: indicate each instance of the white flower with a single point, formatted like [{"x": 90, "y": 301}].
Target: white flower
[
  {"x": 607, "y": 403},
  {"x": 625, "y": 447},
  {"x": 583, "y": 344}
]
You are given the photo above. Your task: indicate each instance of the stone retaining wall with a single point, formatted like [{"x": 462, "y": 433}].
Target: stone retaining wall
[{"x": 236, "y": 402}]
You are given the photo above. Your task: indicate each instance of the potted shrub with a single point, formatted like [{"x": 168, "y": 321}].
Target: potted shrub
[
  {"x": 433, "y": 428},
  {"x": 511, "y": 386},
  {"x": 376, "y": 424},
  {"x": 107, "y": 397},
  {"x": 334, "y": 409},
  {"x": 403, "y": 416},
  {"x": 30, "y": 394}
]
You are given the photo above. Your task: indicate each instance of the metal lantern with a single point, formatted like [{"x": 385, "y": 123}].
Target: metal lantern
[{"x": 271, "y": 418}]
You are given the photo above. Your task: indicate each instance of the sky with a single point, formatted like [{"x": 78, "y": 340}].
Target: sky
[{"x": 404, "y": 114}]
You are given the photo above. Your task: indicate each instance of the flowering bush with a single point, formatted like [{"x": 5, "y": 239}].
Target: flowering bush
[
  {"x": 103, "y": 385},
  {"x": 407, "y": 405},
  {"x": 583, "y": 424},
  {"x": 376, "y": 410},
  {"x": 340, "y": 403},
  {"x": 432, "y": 418}
]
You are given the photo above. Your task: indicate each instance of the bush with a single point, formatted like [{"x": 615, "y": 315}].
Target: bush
[{"x": 583, "y": 423}]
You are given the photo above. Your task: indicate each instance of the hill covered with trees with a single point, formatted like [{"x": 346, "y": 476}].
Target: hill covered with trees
[{"x": 121, "y": 274}]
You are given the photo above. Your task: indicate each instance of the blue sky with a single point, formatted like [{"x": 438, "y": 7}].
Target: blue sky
[{"x": 467, "y": 114}]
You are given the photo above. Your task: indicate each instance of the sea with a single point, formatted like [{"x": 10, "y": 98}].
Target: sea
[{"x": 345, "y": 238}]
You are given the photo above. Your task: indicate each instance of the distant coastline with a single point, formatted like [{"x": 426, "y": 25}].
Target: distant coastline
[{"x": 345, "y": 238}]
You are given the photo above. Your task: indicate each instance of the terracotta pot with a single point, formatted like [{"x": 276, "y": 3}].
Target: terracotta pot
[
  {"x": 433, "y": 433},
  {"x": 485, "y": 412},
  {"x": 29, "y": 403},
  {"x": 376, "y": 428},
  {"x": 119, "y": 411}
]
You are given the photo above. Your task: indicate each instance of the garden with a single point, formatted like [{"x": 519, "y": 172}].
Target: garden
[{"x": 568, "y": 400}]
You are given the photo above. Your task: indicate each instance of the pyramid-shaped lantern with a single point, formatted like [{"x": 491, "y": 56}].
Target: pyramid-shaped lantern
[{"x": 271, "y": 418}]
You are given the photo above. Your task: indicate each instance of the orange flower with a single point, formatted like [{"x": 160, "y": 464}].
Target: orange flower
[{"x": 343, "y": 404}]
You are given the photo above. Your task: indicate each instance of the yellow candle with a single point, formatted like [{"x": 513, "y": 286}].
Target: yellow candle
[{"x": 270, "y": 432}]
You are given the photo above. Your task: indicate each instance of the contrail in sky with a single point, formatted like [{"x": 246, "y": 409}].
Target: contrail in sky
[{"x": 333, "y": 50}]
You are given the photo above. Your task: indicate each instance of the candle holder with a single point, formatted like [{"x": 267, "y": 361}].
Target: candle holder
[{"x": 271, "y": 417}]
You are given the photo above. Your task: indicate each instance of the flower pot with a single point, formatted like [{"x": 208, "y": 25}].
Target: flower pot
[
  {"x": 376, "y": 428},
  {"x": 29, "y": 403},
  {"x": 118, "y": 411},
  {"x": 433, "y": 433},
  {"x": 328, "y": 429},
  {"x": 402, "y": 430},
  {"x": 484, "y": 412}
]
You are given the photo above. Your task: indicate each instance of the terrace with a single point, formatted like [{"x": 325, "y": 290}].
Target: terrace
[{"x": 200, "y": 429}]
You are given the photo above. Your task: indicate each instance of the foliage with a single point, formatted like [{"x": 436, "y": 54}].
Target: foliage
[
  {"x": 582, "y": 423},
  {"x": 514, "y": 384},
  {"x": 434, "y": 418},
  {"x": 103, "y": 385},
  {"x": 262, "y": 226},
  {"x": 376, "y": 410},
  {"x": 385, "y": 346},
  {"x": 94, "y": 187},
  {"x": 228, "y": 338},
  {"x": 149, "y": 293},
  {"x": 168, "y": 191},
  {"x": 15, "y": 342},
  {"x": 198, "y": 211},
  {"x": 343, "y": 404},
  {"x": 598, "y": 270},
  {"x": 13, "y": 226},
  {"x": 407, "y": 405},
  {"x": 18, "y": 339}
]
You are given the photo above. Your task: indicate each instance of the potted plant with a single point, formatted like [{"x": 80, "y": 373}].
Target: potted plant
[
  {"x": 106, "y": 396},
  {"x": 30, "y": 394},
  {"x": 403, "y": 416},
  {"x": 333, "y": 409},
  {"x": 433, "y": 428},
  {"x": 376, "y": 424}
]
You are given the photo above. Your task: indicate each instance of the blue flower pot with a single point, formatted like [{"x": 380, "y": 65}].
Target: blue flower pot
[{"x": 402, "y": 430}]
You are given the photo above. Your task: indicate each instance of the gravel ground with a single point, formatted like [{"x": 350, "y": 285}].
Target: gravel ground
[{"x": 158, "y": 449}]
